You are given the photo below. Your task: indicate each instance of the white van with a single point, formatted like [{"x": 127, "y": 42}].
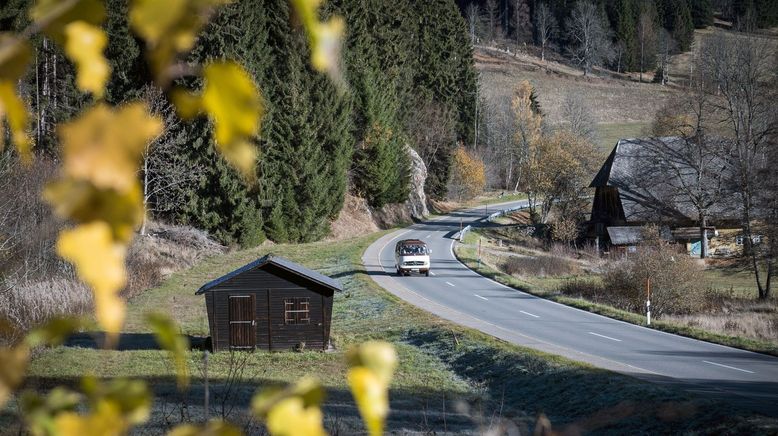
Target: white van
[{"x": 412, "y": 255}]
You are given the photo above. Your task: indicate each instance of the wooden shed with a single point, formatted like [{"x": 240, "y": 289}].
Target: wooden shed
[{"x": 271, "y": 304}]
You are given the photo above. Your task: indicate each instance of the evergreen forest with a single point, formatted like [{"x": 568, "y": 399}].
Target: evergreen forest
[{"x": 319, "y": 140}]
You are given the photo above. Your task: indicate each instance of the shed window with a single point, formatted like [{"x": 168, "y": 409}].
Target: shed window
[{"x": 297, "y": 311}]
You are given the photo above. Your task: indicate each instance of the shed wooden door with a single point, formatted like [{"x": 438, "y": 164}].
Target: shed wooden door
[{"x": 243, "y": 331}]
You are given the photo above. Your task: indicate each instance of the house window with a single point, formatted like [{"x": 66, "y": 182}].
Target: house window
[
  {"x": 755, "y": 239},
  {"x": 297, "y": 311}
]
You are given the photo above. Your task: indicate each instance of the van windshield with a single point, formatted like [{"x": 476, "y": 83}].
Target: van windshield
[{"x": 413, "y": 250}]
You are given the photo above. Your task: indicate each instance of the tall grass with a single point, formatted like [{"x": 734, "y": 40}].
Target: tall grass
[
  {"x": 540, "y": 266},
  {"x": 26, "y": 305}
]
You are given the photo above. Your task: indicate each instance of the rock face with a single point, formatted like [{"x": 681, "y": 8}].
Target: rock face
[
  {"x": 357, "y": 218},
  {"x": 417, "y": 199}
]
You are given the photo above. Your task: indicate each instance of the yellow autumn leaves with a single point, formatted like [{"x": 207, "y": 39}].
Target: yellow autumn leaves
[
  {"x": 169, "y": 28},
  {"x": 232, "y": 101},
  {"x": 372, "y": 366},
  {"x": 294, "y": 411},
  {"x": 84, "y": 46},
  {"x": 468, "y": 175},
  {"x": 324, "y": 37},
  {"x": 100, "y": 192},
  {"x": 14, "y": 56}
]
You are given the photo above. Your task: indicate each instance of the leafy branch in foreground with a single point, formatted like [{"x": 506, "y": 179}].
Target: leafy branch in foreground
[{"x": 98, "y": 191}]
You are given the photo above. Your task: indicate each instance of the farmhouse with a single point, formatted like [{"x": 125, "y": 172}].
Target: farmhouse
[
  {"x": 272, "y": 304},
  {"x": 647, "y": 181}
]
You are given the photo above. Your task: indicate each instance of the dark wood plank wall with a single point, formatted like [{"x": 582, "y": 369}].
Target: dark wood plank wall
[
  {"x": 286, "y": 336},
  {"x": 271, "y": 331}
]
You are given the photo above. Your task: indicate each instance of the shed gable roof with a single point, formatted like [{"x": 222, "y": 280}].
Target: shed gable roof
[
  {"x": 650, "y": 175},
  {"x": 280, "y": 262}
]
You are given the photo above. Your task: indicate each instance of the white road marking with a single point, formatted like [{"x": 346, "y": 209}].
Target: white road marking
[
  {"x": 730, "y": 367},
  {"x": 530, "y": 314},
  {"x": 481, "y": 297},
  {"x": 450, "y": 284},
  {"x": 432, "y": 273},
  {"x": 428, "y": 236},
  {"x": 606, "y": 337}
]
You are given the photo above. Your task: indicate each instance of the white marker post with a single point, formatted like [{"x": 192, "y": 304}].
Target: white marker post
[
  {"x": 479, "y": 252},
  {"x": 648, "y": 301}
]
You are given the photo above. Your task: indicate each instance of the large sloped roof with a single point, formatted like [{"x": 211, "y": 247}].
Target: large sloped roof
[
  {"x": 280, "y": 262},
  {"x": 653, "y": 177},
  {"x": 625, "y": 235}
]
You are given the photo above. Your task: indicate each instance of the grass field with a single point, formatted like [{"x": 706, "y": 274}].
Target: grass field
[
  {"x": 610, "y": 133},
  {"x": 451, "y": 379},
  {"x": 610, "y": 100},
  {"x": 548, "y": 287}
]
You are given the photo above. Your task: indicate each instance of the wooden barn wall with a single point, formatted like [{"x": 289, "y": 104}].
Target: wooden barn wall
[
  {"x": 270, "y": 291},
  {"x": 607, "y": 207},
  {"x": 286, "y": 336}
]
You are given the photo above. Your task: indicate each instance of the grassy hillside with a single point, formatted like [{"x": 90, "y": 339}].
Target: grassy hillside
[
  {"x": 621, "y": 108},
  {"x": 450, "y": 379}
]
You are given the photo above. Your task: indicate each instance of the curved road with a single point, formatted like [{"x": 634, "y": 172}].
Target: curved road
[{"x": 457, "y": 293}]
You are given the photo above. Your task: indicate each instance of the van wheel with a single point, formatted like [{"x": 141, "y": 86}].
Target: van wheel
[{"x": 427, "y": 273}]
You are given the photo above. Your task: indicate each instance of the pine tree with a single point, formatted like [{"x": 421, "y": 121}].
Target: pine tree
[
  {"x": 446, "y": 76},
  {"x": 766, "y": 13},
  {"x": 683, "y": 27},
  {"x": 381, "y": 164},
  {"x": 702, "y": 13},
  {"x": 307, "y": 146},
  {"x": 625, "y": 32},
  {"x": 221, "y": 202},
  {"x": 129, "y": 71}
]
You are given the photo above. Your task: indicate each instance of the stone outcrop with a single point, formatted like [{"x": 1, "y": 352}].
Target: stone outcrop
[
  {"x": 357, "y": 218},
  {"x": 417, "y": 199}
]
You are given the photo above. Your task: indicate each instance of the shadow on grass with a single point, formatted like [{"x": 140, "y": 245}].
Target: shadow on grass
[
  {"x": 589, "y": 399},
  {"x": 412, "y": 411},
  {"x": 127, "y": 341}
]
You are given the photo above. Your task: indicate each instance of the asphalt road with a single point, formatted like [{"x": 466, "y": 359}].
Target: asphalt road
[{"x": 455, "y": 292}]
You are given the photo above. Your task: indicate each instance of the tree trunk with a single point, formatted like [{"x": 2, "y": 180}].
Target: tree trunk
[
  {"x": 748, "y": 244},
  {"x": 145, "y": 192},
  {"x": 510, "y": 173},
  {"x": 641, "y": 60},
  {"x": 703, "y": 236}
]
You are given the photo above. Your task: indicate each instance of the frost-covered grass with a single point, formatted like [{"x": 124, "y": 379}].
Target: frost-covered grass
[{"x": 450, "y": 380}]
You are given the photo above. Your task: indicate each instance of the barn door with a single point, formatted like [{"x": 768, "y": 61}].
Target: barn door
[{"x": 243, "y": 331}]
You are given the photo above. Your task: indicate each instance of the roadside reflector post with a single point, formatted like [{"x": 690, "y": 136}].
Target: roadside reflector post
[
  {"x": 479, "y": 251},
  {"x": 648, "y": 301}
]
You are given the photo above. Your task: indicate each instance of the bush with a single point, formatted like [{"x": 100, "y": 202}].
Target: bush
[
  {"x": 539, "y": 266},
  {"x": 676, "y": 281},
  {"x": 565, "y": 230}
]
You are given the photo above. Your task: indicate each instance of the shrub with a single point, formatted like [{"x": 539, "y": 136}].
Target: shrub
[
  {"x": 539, "y": 266},
  {"x": 565, "y": 230},
  {"x": 675, "y": 279}
]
